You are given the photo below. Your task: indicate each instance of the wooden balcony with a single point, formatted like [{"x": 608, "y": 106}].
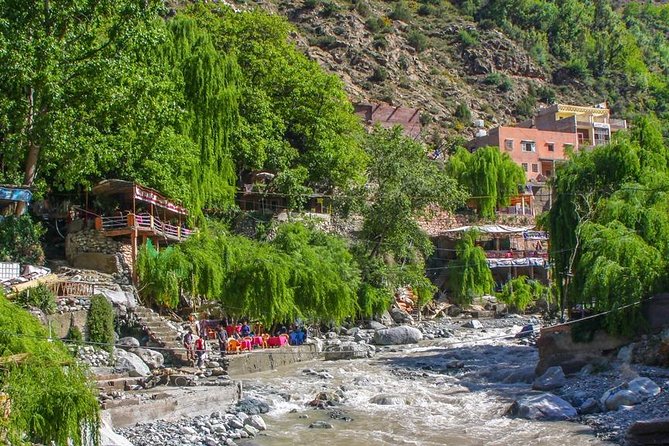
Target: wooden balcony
[
  {"x": 515, "y": 254},
  {"x": 145, "y": 224}
]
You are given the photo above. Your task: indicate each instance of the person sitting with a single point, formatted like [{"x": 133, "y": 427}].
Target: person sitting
[{"x": 245, "y": 330}]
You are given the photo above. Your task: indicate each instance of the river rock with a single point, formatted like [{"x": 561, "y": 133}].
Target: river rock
[
  {"x": 386, "y": 319},
  {"x": 387, "y": 400},
  {"x": 252, "y": 406},
  {"x": 131, "y": 363},
  {"x": 553, "y": 378},
  {"x": 400, "y": 316},
  {"x": 644, "y": 387},
  {"x": 151, "y": 358},
  {"x": 373, "y": 325},
  {"x": 397, "y": 336},
  {"x": 545, "y": 406},
  {"x": 474, "y": 323},
  {"x": 128, "y": 342},
  {"x": 346, "y": 350},
  {"x": 589, "y": 406},
  {"x": 257, "y": 422},
  {"x": 320, "y": 425},
  {"x": 629, "y": 394},
  {"x": 649, "y": 432}
]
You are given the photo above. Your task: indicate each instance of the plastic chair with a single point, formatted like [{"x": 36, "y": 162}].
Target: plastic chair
[
  {"x": 247, "y": 343},
  {"x": 234, "y": 346},
  {"x": 286, "y": 337}
]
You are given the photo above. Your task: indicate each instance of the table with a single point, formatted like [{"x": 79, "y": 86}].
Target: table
[
  {"x": 257, "y": 341},
  {"x": 277, "y": 341}
]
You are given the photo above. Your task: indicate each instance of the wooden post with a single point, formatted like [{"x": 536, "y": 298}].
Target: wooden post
[
  {"x": 133, "y": 241},
  {"x": 522, "y": 203}
]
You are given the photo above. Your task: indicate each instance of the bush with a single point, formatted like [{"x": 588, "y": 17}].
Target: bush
[
  {"x": 325, "y": 42},
  {"x": 329, "y": 8},
  {"x": 426, "y": 10},
  {"x": 526, "y": 106},
  {"x": 468, "y": 39},
  {"x": 417, "y": 40},
  {"x": 546, "y": 94},
  {"x": 400, "y": 11},
  {"x": 494, "y": 78},
  {"x": 375, "y": 24},
  {"x": 101, "y": 323},
  {"x": 311, "y": 4},
  {"x": 20, "y": 240},
  {"x": 380, "y": 42},
  {"x": 505, "y": 85},
  {"x": 462, "y": 113},
  {"x": 380, "y": 74},
  {"x": 40, "y": 297},
  {"x": 74, "y": 335},
  {"x": 362, "y": 7},
  {"x": 520, "y": 293}
]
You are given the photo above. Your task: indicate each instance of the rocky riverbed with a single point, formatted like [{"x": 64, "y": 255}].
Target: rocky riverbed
[{"x": 455, "y": 386}]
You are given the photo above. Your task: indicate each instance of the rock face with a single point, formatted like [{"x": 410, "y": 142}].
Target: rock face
[
  {"x": 348, "y": 350},
  {"x": 252, "y": 406},
  {"x": 131, "y": 363},
  {"x": 629, "y": 394},
  {"x": 400, "y": 316},
  {"x": 397, "y": 336},
  {"x": 553, "y": 379},
  {"x": 546, "y": 407},
  {"x": 649, "y": 432},
  {"x": 152, "y": 358}
]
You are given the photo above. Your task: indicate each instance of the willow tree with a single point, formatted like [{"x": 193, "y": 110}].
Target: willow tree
[
  {"x": 490, "y": 176},
  {"x": 469, "y": 275},
  {"x": 51, "y": 400},
  {"x": 209, "y": 80}
]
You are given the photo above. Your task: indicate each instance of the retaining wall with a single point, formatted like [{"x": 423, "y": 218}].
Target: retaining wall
[{"x": 270, "y": 359}]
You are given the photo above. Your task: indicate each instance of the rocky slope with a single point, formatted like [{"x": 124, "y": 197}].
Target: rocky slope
[{"x": 436, "y": 62}]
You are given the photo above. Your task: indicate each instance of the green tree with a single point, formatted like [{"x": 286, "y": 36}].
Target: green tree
[
  {"x": 20, "y": 240},
  {"x": 100, "y": 323},
  {"x": 469, "y": 275},
  {"x": 520, "y": 293}
]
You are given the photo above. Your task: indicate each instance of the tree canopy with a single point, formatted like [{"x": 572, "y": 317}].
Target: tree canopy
[{"x": 470, "y": 276}]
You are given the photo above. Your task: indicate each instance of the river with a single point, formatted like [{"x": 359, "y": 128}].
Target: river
[{"x": 443, "y": 393}]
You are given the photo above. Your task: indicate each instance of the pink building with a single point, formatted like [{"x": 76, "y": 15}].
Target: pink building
[
  {"x": 389, "y": 116},
  {"x": 536, "y": 151}
]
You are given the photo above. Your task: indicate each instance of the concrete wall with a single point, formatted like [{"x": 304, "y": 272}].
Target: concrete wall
[
  {"x": 60, "y": 323},
  {"x": 270, "y": 359}
]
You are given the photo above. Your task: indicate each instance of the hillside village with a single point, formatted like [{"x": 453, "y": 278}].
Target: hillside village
[{"x": 204, "y": 192}]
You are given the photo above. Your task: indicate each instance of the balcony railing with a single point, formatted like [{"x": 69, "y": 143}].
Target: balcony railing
[
  {"x": 143, "y": 222},
  {"x": 516, "y": 254}
]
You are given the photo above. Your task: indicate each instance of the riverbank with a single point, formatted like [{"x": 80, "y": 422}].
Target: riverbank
[{"x": 453, "y": 389}]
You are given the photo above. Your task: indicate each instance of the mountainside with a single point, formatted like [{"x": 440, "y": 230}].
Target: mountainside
[{"x": 436, "y": 56}]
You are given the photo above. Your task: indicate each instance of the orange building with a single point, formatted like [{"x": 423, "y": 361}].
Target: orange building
[{"x": 536, "y": 151}]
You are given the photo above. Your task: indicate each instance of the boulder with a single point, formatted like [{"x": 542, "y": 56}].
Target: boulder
[
  {"x": 347, "y": 350},
  {"x": 649, "y": 432},
  {"x": 527, "y": 331},
  {"x": 151, "y": 358},
  {"x": 386, "y": 319},
  {"x": 397, "y": 336},
  {"x": 629, "y": 394},
  {"x": 474, "y": 323},
  {"x": 320, "y": 425},
  {"x": 252, "y": 406},
  {"x": 387, "y": 400},
  {"x": 373, "y": 325},
  {"x": 128, "y": 342},
  {"x": 257, "y": 422},
  {"x": 131, "y": 363},
  {"x": 588, "y": 407},
  {"x": 553, "y": 378},
  {"x": 400, "y": 316},
  {"x": 545, "y": 406}
]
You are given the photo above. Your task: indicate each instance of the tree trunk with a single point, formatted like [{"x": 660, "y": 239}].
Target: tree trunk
[{"x": 30, "y": 169}]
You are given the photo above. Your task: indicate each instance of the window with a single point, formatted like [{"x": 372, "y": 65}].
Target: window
[
  {"x": 551, "y": 146},
  {"x": 528, "y": 146},
  {"x": 535, "y": 168},
  {"x": 508, "y": 144},
  {"x": 601, "y": 136},
  {"x": 525, "y": 167}
]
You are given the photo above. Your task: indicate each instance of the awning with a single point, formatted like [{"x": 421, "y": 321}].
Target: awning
[
  {"x": 493, "y": 229},
  {"x": 135, "y": 191},
  {"x": 15, "y": 193},
  {"x": 508, "y": 263}
]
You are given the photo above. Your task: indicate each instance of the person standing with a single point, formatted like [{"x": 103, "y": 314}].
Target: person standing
[
  {"x": 189, "y": 344},
  {"x": 201, "y": 351},
  {"x": 222, "y": 337}
]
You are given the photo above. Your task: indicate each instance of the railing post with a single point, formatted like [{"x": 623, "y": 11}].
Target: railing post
[
  {"x": 131, "y": 220},
  {"x": 98, "y": 223},
  {"x": 179, "y": 232}
]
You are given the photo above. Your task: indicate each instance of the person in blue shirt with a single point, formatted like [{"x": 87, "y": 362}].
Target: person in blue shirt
[{"x": 246, "y": 330}]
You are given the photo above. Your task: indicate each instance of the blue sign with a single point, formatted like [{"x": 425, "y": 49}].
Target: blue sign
[{"x": 15, "y": 194}]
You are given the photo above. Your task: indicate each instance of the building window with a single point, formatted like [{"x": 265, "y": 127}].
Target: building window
[
  {"x": 551, "y": 146},
  {"x": 528, "y": 146},
  {"x": 535, "y": 168},
  {"x": 508, "y": 144},
  {"x": 525, "y": 167},
  {"x": 601, "y": 136}
]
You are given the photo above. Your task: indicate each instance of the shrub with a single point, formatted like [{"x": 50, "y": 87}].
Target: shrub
[
  {"x": 380, "y": 42},
  {"x": 20, "y": 240},
  {"x": 74, "y": 335},
  {"x": 546, "y": 94},
  {"x": 520, "y": 292},
  {"x": 400, "y": 11},
  {"x": 362, "y": 7},
  {"x": 329, "y": 8},
  {"x": 526, "y": 106},
  {"x": 425, "y": 10},
  {"x": 311, "y": 4},
  {"x": 101, "y": 323},
  {"x": 505, "y": 85},
  {"x": 375, "y": 24},
  {"x": 417, "y": 40},
  {"x": 462, "y": 113},
  {"x": 494, "y": 78},
  {"x": 40, "y": 297},
  {"x": 468, "y": 39},
  {"x": 380, "y": 74},
  {"x": 325, "y": 42}
]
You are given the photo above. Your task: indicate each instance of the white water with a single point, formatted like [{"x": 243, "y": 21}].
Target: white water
[{"x": 441, "y": 406}]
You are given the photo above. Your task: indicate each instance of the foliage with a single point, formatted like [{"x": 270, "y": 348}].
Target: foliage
[
  {"x": 20, "y": 240},
  {"x": 468, "y": 38},
  {"x": 100, "y": 323},
  {"x": 62, "y": 411},
  {"x": 462, "y": 113},
  {"x": 39, "y": 296},
  {"x": 417, "y": 40},
  {"x": 470, "y": 275},
  {"x": 74, "y": 335},
  {"x": 400, "y": 11},
  {"x": 521, "y": 292},
  {"x": 490, "y": 176}
]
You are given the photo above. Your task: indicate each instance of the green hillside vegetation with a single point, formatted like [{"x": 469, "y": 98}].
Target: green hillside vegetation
[{"x": 51, "y": 399}]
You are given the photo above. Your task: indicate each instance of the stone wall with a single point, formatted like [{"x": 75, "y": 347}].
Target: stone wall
[
  {"x": 90, "y": 249},
  {"x": 60, "y": 323},
  {"x": 270, "y": 359}
]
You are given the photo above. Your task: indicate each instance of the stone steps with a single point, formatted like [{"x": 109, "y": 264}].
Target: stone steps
[
  {"x": 121, "y": 383},
  {"x": 162, "y": 334}
]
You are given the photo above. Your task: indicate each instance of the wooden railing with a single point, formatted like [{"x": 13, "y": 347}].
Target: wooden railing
[
  {"x": 515, "y": 254},
  {"x": 71, "y": 289},
  {"x": 143, "y": 221}
]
